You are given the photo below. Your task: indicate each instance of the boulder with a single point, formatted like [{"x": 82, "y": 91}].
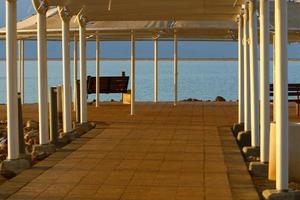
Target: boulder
[
  {"x": 31, "y": 134},
  {"x": 220, "y": 99},
  {"x": 32, "y": 124}
]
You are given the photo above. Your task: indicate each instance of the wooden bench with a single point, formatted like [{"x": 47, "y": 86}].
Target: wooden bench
[
  {"x": 293, "y": 94},
  {"x": 108, "y": 84}
]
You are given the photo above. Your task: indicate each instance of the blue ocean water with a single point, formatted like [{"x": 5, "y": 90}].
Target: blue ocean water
[{"x": 196, "y": 79}]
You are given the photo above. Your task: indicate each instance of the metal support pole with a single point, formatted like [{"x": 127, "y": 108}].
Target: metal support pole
[
  {"x": 78, "y": 101},
  {"x": 21, "y": 69},
  {"x": 59, "y": 103},
  {"x": 11, "y": 81},
  {"x": 42, "y": 75},
  {"x": 97, "y": 71},
  {"x": 75, "y": 74},
  {"x": 67, "y": 101},
  {"x": 83, "y": 89},
  {"x": 175, "y": 69},
  {"x": 274, "y": 80},
  {"x": 264, "y": 81},
  {"x": 22, "y": 73},
  {"x": 53, "y": 116},
  {"x": 155, "y": 70},
  {"x": 132, "y": 74},
  {"x": 241, "y": 69},
  {"x": 21, "y": 131},
  {"x": 254, "y": 81},
  {"x": 281, "y": 95},
  {"x": 247, "y": 111}
]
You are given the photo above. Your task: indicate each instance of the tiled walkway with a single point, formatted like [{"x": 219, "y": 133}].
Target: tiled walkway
[{"x": 160, "y": 153}]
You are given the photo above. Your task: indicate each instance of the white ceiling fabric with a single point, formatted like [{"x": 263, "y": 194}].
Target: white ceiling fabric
[{"x": 206, "y": 29}]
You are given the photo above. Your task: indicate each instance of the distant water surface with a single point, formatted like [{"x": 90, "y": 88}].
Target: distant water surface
[{"x": 196, "y": 79}]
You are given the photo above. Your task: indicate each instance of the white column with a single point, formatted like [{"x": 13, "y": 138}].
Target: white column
[
  {"x": 241, "y": 69},
  {"x": 22, "y": 73},
  {"x": 132, "y": 74},
  {"x": 97, "y": 70},
  {"x": 11, "y": 81},
  {"x": 281, "y": 95},
  {"x": 175, "y": 69},
  {"x": 264, "y": 81},
  {"x": 254, "y": 80},
  {"x": 21, "y": 69},
  {"x": 83, "y": 89},
  {"x": 41, "y": 9},
  {"x": 67, "y": 100},
  {"x": 155, "y": 70},
  {"x": 75, "y": 73},
  {"x": 247, "y": 110},
  {"x": 274, "y": 81}
]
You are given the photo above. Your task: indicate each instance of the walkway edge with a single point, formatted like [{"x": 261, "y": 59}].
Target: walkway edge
[{"x": 241, "y": 185}]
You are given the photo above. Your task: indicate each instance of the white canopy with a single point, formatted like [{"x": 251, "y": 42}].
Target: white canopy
[
  {"x": 121, "y": 29},
  {"x": 208, "y": 29}
]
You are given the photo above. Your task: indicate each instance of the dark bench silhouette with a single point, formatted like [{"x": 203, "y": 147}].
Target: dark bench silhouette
[
  {"x": 108, "y": 84},
  {"x": 293, "y": 94}
]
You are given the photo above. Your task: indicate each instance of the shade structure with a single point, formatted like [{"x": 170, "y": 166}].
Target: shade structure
[
  {"x": 120, "y": 30},
  {"x": 208, "y": 26},
  {"x": 140, "y": 10}
]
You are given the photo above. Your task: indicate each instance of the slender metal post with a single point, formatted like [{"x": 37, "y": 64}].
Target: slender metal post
[
  {"x": 67, "y": 104},
  {"x": 78, "y": 101},
  {"x": 247, "y": 111},
  {"x": 155, "y": 70},
  {"x": 97, "y": 71},
  {"x": 241, "y": 69},
  {"x": 75, "y": 73},
  {"x": 264, "y": 81},
  {"x": 11, "y": 81},
  {"x": 53, "y": 116},
  {"x": 59, "y": 104},
  {"x": 274, "y": 80},
  {"x": 21, "y": 131},
  {"x": 254, "y": 81},
  {"x": 132, "y": 74},
  {"x": 281, "y": 95},
  {"x": 83, "y": 89},
  {"x": 22, "y": 71},
  {"x": 19, "y": 66},
  {"x": 175, "y": 69},
  {"x": 42, "y": 75}
]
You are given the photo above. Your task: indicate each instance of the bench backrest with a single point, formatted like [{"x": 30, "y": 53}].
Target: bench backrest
[
  {"x": 108, "y": 84},
  {"x": 293, "y": 90}
]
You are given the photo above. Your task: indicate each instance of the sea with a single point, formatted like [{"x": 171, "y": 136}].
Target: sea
[{"x": 197, "y": 79}]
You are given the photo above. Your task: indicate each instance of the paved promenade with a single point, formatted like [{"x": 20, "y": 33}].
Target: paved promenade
[{"x": 161, "y": 153}]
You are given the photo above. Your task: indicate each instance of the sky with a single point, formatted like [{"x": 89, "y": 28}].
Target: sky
[{"x": 190, "y": 49}]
